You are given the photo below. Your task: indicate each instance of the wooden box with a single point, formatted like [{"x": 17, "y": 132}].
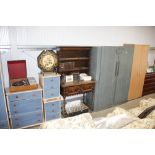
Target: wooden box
[{"x": 17, "y": 72}]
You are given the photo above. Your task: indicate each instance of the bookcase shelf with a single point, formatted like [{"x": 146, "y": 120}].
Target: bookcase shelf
[{"x": 73, "y": 59}]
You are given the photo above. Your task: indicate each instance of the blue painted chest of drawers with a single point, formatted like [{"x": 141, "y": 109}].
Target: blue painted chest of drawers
[
  {"x": 50, "y": 84},
  {"x": 4, "y": 123},
  {"x": 52, "y": 108},
  {"x": 25, "y": 108}
]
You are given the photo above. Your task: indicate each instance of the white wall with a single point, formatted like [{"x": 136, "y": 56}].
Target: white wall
[
  {"x": 56, "y": 36},
  {"x": 92, "y": 36}
]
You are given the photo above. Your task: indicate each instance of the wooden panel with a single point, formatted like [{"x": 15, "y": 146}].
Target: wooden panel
[{"x": 139, "y": 67}]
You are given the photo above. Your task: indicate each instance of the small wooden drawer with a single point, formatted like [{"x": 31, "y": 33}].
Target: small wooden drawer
[
  {"x": 24, "y": 106},
  {"x": 25, "y": 95},
  {"x": 53, "y": 107},
  {"x": 4, "y": 125},
  {"x": 51, "y": 83},
  {"x": 25, "y": 120},
  {"x": 51, "y": 116},
  {"x": 87, "y": 87},
  {"x": 72, "y": 90}
]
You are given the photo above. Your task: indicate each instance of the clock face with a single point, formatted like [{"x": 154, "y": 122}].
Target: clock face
[{"x": 47, "y": 61}]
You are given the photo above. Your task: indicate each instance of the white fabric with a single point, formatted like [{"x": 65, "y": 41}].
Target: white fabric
[{"x": 114, "y": 122}]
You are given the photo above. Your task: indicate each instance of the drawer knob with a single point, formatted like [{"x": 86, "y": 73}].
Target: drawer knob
[
  {"x": 16, "y": 96},
  {"x": 52, "y": 104},
  {"x": 14, "y": 105},
  {"x": 51, "y": 87},
  {"x": 52, "y": 110},
  {"x": 37, "y": 108},
  {"x": 33, "y": 94},
  {"x": 51, "y": 79}
]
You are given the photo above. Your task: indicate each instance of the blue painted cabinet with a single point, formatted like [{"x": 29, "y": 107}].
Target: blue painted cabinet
[
  {"x": 50, "y": 84},
  {"x": 4, "y": 123},
  {"x": 25, "y": 108},
  {"x": 52, "y": 109},
  {"x": 111, "y": 68}
]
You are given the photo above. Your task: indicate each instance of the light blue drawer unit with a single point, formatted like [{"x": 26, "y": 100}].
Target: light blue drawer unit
[
  {"x": 25, "y": 108},
  {"x": 4, "y": 123},
  {"x": 52, "y": 108},
  {"x": 26, "y": 119},
  {"x": 50, "y": 84}
]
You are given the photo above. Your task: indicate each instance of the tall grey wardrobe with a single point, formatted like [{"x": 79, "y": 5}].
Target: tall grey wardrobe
[{"x": 111, "y": 68}]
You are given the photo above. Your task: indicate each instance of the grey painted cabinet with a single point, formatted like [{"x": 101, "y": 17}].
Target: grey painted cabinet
[
  {"x": 4, "y": 123},
  {"x": 111, "y": 68}
]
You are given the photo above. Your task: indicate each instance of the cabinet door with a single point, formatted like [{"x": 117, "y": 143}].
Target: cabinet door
[
  {"x": 3, "y": 113},
  {"x": 107, "y": 78},
  {"x": 139, "y": 67},
  {"x": 125, "y": 56}
]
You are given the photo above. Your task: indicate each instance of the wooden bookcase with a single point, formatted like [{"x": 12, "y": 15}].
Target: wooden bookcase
[{"x": 73, "y": 59}]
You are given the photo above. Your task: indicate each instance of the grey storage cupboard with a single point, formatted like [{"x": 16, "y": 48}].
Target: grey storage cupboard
[{"x": 111, "y": 68}]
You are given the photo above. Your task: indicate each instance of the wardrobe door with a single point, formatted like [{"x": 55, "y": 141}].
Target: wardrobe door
[
  {"x": 143, "y": 57},
  {"x": 107, "y": 79},
  {"x": 125, "y": 57},
  {"x": 95, "y": 68},
  {"x": 139, "y": 68}
]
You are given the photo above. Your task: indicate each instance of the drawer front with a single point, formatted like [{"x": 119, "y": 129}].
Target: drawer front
[
  {"x": 52, "y": 83},
  {"x": 25, "y": 96},
  {"x": 51, "y": 93},
  {"x": 87, "y": 87},
  {"x": 24, "y": 106},
  {"x": 4, "y": 125},
  {"x": 19, "y": 121},
  {"x": 72, "y": 90},
  {"x": 50, "y": 116},
  {"x": 53, "y": 106}
]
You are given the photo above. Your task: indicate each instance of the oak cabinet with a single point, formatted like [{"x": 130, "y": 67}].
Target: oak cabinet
[{"x": 139, "y": 67}]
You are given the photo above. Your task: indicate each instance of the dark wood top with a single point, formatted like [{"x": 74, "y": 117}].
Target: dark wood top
[{"x": 77, "y": 83}]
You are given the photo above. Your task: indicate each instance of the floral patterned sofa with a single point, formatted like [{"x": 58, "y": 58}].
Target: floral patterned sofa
[{"x": 118, "y": 119}]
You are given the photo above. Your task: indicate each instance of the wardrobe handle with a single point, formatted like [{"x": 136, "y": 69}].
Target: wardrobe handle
[{"x": 116, "y": 68}]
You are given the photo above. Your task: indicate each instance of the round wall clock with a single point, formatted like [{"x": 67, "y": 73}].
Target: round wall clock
[{"x": 47, "y": 61}]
